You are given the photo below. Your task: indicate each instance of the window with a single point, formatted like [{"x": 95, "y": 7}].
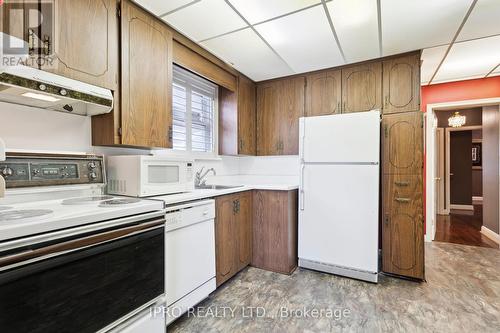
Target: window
[{"x": 194, "y": 112}]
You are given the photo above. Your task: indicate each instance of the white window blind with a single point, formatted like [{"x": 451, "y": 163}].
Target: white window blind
[{"x": 194, "y": 112}]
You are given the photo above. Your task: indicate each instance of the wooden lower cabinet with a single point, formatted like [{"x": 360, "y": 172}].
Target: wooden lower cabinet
[
  {"x": 275, "y": 230},
  {"x": 233, "y": 234},
  {"x": 403, "y": 226}
]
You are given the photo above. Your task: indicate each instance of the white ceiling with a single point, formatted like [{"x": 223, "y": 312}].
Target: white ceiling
[{"x": 265, "y": 39}]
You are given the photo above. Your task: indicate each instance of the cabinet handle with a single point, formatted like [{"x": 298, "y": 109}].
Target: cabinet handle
[
  {"x": 386, "y": 131},
  {"x": 31, "y": 42},
  {"x": 338, "y": 108},
  {"x": 386, "y": 220},
  {"x": 403, "y": 200},
  {"x": 241, "y": 144},
  {"x": 343, "y": 108},
  {"x": 170, "y": 133},
  {"x": 386, "y": 101},
  {"x": 234, "y": 206},
  {"x": 46, "y": 45},
  {"x": 402, "y": 183}
]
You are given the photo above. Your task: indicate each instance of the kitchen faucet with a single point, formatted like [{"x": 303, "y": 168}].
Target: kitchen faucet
[{"x": 199, "y": 181}]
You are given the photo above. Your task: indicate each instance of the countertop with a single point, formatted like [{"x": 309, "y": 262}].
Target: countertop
[{"x": 253, "y": 182}]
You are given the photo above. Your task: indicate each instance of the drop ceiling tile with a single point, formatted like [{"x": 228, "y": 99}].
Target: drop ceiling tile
[
  {"x": 259, "y": 10},
  {"x": 483, "y": 21},
  {"x": 413, "y": 25},
  {"x": 470, "y": 59},
  {"x": 303, "y": 39},
  {"x": 161, "y": 7},
  {"x": 248, "y": 54},
  {"x": 205, "y": 19},
  {"x": 356, "y": 25},
  {"x": 430, "y": 61}
]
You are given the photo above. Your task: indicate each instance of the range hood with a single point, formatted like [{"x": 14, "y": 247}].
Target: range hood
[{"x": 32, "y": 87}]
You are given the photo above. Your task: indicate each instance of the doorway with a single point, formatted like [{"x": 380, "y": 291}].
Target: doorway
[{"x": 454, "y": 176}]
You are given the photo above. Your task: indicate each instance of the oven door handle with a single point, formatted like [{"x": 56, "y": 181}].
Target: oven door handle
[{"x": 30, "y": 256}]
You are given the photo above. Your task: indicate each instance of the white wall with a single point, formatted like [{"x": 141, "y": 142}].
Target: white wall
[{"x": 32, "y": 129}]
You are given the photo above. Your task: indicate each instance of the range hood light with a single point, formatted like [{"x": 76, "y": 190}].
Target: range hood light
[{"x": 41, "y": 97}]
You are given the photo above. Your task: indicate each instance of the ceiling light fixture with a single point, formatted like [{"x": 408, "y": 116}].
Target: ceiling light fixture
[{"x": 457, "y": 120}]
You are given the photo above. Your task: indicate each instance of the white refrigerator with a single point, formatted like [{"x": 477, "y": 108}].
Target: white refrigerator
[{"x": 339, "y": 194}]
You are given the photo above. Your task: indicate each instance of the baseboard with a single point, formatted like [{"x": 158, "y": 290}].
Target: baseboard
[
  {"x": 490, "y": 234},
  {"x": 462, "y": 207}
]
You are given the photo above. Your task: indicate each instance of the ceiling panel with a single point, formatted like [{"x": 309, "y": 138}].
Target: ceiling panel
[
  {"x": 205, "y": 19},
  {"x": 483, "y": 21},
  {"x": 356, "y": 24},
  {"x": 248, "y": 54},
  {"x": 304, "y": 49},
  {"x": 259, "y": 10},
  {"x": 470, "y": 59},
  {"x": 430, "y": 61},
  {"x": 412, "y": 25},
  {"x": 162, "y": 7}
]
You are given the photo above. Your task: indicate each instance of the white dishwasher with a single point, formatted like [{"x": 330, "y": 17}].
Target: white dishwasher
[{"x": 189, "y": 255}]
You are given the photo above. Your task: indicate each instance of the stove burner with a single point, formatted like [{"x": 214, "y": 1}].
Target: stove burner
[
  {"x": 86, "y": 200},
  {"x": 5, "y": 207},
  {"x": 118, "y": 202},
  {"x": 23, "y": 214}
]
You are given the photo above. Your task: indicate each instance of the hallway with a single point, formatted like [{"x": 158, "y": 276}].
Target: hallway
[{"x": 463, "y": 227}]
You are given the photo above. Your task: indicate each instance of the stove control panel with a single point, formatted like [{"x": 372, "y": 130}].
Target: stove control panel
[{"x": 24, "y": 171}]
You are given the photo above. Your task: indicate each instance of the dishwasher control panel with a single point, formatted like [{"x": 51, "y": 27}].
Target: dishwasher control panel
[{"x": 180, "y": 216}]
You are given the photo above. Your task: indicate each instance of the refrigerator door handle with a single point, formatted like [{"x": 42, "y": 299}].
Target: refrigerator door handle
[{"x": 302, "y": 167}]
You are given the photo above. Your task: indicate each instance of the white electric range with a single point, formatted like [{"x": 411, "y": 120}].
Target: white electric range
[{"x": 92, "y": 262}]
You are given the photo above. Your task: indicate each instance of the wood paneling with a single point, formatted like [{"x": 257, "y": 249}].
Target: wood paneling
[
  {"x": 324, "y": 93},
  {"x": 85, "y": 43},
  {"x": 401, "y": 84},
  {"x": 402, "y": 143},
  {"x": 362, "y": 87},
  {"x": 403, "y": 226},
  {"x": 246, "y": 116},
  {"x": 146, "y": 79},
  {"x": 198, "y": 64},
  {"x": 233, "y": 234},
  {"x": 280, "y": 104},
  {"x": 275, "y": 230}
]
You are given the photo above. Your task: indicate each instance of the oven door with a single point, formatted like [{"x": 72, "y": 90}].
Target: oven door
[
  {"x": 164, "y": 177},
  {"x": 82, "y": 283}
]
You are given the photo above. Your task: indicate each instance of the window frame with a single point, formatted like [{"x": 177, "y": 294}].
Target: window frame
[{"x": 191, "y": 80}]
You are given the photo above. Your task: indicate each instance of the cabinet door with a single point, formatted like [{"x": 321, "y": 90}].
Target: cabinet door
[
  {"x": 403, "y": 226},
  {"x": 362, "y": 88},
  {"x": 85, "y": 41},
  {"x": 402, "y": 143},
  {"x": 146, "y": 79},
  {"x": 291, "y": 108},
  {"x": 323, "y": 93},
  {"x": 225, "y": 233},
  {"x": 268, "y": 119},
  {"x": 246, "y": 117},
  {"x": 244, "y": 224},
  {"x": 402, "y": 84}
]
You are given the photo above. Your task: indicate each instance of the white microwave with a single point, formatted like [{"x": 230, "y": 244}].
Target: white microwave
[{"x": 144, "y": 175}]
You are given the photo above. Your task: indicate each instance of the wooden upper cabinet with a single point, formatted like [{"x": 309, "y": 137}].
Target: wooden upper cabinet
[
  {"x": 402, "y": 143},
  {"x": 402, "y": 84},
  {"x": 246, "y": 117},
  {"x": 280, "y": 104},
  {"x": 85, "y": 41},
  {"x": 403, "y": 226},
  {"x": 362, "y": 87},
  {"x": 323, "y": 93},
  {"x": 146, "y": 110},
  {"x": 268, "y": 135}
]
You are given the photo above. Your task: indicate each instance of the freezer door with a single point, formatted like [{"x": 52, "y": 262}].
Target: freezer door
[
  {"x": 338, "y": 215},
  {"x": 344, "y": 138}
]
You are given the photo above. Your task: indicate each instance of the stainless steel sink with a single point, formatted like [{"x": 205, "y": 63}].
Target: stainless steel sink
[{"x": 216, "y": 187}]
